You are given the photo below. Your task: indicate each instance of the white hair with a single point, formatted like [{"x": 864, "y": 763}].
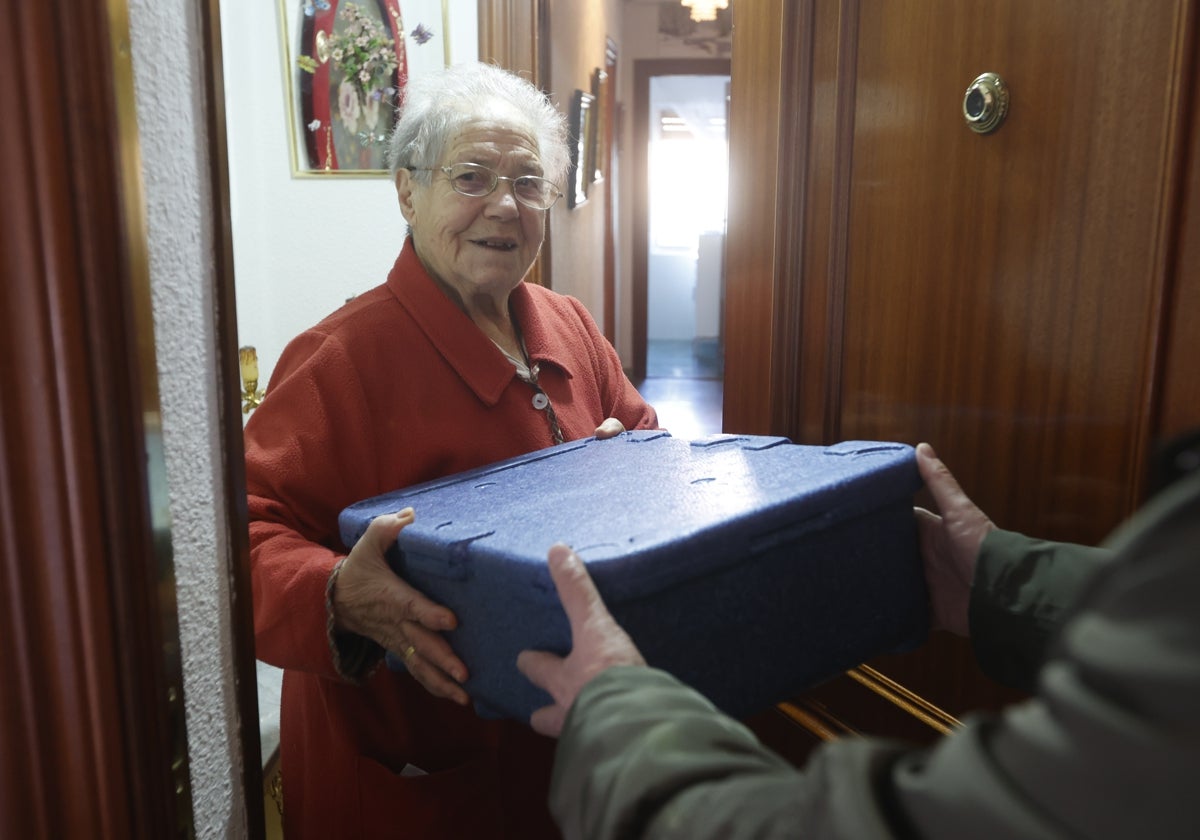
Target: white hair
[{"x": 436, "y": 106}]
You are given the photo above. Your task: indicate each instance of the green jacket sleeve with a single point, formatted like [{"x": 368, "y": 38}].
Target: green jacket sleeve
[
  {"x": 1108, "y": 748},
  {"x": 644, "y": 756},
  {"x": 1022, "y": 592}
]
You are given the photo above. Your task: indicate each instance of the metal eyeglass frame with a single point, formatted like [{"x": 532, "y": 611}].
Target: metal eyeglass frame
[{"x": 496, "y": 179}]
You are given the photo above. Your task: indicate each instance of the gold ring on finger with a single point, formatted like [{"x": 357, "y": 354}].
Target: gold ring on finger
[{"x": 408, "y": 652}]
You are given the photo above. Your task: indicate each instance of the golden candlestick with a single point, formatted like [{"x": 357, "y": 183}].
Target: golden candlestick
[{"x": 251, "y": 394}]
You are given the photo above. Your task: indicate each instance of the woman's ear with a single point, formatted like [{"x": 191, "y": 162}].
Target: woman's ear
[{"x": 404, "y": 192}]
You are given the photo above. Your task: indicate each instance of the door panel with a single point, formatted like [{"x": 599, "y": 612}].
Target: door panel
[
  {"x": 1008, "y": 298},
  {"x": 1001, "y": 291},
  {"x": 93, "y": 739}
]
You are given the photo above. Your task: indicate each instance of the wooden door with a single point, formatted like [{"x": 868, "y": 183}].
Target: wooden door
[
  {"x": 514, "y": 35},
  {"x": 1010, "y": 298},
  {"x": 93, "y": 740}
]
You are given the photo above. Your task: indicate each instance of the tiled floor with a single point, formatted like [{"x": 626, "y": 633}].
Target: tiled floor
[
  {"x": 684, "y": 386},
  {"x": 695, "y": 359},
  {"x": 687, "y": 408}
]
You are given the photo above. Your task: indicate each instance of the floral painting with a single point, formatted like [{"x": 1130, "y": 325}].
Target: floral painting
[
  {"x": 348, "y": 62},
  {"x": 364, "y": 53}
]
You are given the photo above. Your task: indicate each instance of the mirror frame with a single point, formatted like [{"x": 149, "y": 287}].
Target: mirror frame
[
  {"x": 92, "y": 730},
  {"x": 233, "y": 470}
]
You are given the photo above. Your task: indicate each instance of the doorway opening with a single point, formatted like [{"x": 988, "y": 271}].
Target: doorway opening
[{"x": 679, "y": 274}]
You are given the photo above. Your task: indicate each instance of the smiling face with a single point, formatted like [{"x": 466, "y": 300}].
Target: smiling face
[{"x": 480, "y": 247}]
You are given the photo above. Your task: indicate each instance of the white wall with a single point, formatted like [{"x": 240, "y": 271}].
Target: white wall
[
  {"x": 687, "y": 201},
  {"x": 302, "y": 245},
  {"x": 710, "y": 282},
  {"x": 169, "y": 74},
  {"x": 671, "y": 295}
]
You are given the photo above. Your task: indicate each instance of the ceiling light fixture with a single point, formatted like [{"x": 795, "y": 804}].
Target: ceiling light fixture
[{"x": 702, "y": 10}]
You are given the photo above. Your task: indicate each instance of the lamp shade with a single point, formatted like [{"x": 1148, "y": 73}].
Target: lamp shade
[
  {"x": 248, "y": 358},
  {"x": 702, "y": 10}
]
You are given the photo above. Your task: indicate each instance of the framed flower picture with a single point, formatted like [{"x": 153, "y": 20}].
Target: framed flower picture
[
  {"x": 597, "y": 144},
  {"x": 579, "y": 176},
  {"x": 347, "y": 63}
]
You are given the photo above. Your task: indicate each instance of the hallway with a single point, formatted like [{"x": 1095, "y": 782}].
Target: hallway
[{"x": 684, "y": 387}]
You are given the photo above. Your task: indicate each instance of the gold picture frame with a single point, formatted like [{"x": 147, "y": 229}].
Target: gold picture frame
[
  {"x": 582, "y": 135},
  {"x": 343, "y": 93},
  {"x": 597, "y": 143}
]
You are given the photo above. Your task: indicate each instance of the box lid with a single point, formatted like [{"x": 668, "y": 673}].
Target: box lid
[{"x": 676, "y": 509}]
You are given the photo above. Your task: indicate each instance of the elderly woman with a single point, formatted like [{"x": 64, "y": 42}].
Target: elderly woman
[{"x": 452, "y": 363}]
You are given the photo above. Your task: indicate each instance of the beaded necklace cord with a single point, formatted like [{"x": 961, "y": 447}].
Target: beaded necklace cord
[{"x": 529, "y": 373}]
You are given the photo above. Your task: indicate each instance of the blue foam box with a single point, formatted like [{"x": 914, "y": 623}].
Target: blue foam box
[{"x": 749, "y": 567}]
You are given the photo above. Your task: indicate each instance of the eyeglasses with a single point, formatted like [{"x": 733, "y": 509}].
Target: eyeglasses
[{"x": 476, "y": 181}]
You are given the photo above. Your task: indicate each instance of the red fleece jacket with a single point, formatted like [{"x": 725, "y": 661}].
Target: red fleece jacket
[{"x": 398, "y": 387}]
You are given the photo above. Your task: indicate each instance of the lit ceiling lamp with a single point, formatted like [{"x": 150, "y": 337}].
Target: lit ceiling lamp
[{"x": 702, "y": 10}]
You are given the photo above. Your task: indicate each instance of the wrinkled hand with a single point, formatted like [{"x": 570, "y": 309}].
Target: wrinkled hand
[
  {"x": 949, "y": 543},
  {"x": 373, "y": 601},
  {"x": 597, "y": 643},
  {"x": 610, "y": 428}
]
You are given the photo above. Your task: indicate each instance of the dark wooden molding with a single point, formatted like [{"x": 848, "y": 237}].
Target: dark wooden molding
[
  {"x": 91, "y": 738},
  {"x": 608, "y": 151},
  {"x": 751, "y": 267},
  {"x": 233, "y": 468},
  {"x": 511, "y": 35},
  {"x": 839, "y": 233},
  {"x": 795, "y": 63},
  {"x": 1176, "y": 406}
]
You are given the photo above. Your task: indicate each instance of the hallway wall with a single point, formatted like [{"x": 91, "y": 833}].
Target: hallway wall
[{"x": 576, "y": 48}]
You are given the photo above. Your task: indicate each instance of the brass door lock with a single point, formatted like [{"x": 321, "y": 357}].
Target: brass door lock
[{"x": 985, "y": 104}]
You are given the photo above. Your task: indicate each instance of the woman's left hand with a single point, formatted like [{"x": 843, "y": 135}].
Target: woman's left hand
[
  {"x": 610, "y": 428},
  {"x": 373, "y": 601}
]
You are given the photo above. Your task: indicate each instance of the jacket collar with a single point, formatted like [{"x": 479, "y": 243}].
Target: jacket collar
[{"x": 476, "y": 360}]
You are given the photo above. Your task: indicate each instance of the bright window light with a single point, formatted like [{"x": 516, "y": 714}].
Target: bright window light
[{"x": 689, "y": 186}]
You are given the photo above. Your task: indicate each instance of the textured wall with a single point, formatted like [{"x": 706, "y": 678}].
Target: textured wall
[
  {"x": 168, "y": 70},
  {"x": 300, "y": 246}
]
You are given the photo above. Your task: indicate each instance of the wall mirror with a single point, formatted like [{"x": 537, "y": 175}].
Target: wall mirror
[
  {"x": 313, "y": 216},
  {"x": 306, "y": 238}
]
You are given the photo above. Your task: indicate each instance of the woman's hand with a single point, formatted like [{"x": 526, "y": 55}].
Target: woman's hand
[
  {"x": 371, "y": 600},
  {"x": 949, "y": 543},
  {"x": 610, "y": 428},
  {"x": 597, "y": 643}
]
